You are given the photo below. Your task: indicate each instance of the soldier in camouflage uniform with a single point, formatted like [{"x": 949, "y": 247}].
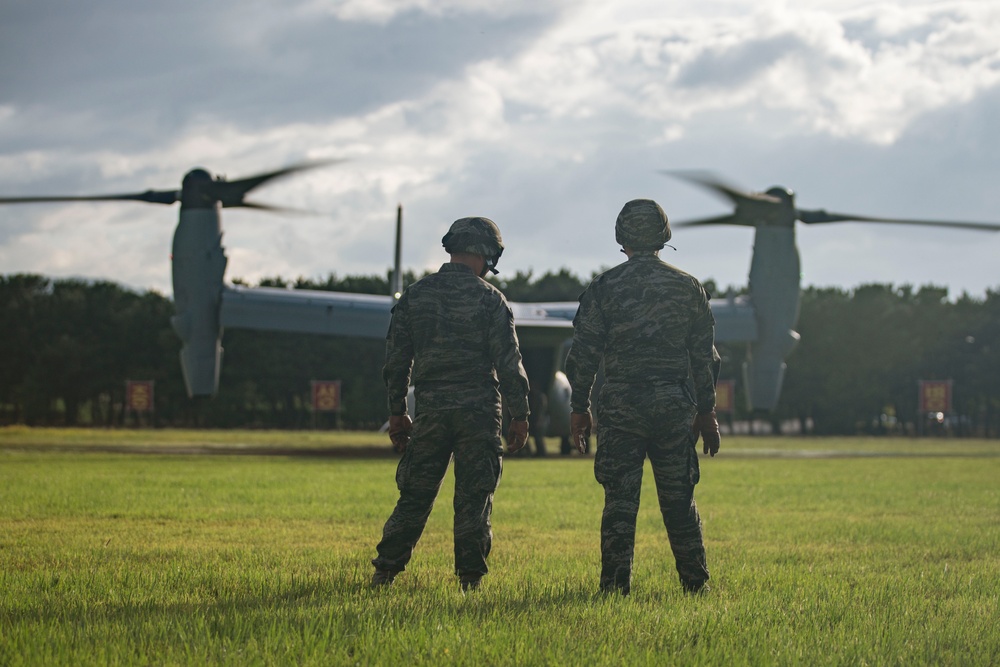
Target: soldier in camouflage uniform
[
  {"x": 455, "y": 332},
  {"x": 651, "y": 325}
]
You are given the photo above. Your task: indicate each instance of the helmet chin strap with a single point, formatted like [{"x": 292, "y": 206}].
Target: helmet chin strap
[{"x": 489, "y": 266}]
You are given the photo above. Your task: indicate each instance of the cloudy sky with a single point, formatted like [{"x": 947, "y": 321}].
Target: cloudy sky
[{"x": 543, "y": 115}]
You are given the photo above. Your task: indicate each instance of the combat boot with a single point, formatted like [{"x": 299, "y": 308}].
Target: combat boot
[
  {"x": 616, "y": 580},
  {"x": 614, "y": 589},
  {"x": 695, "y": 587},
  {"x": 382, "y": 578}
]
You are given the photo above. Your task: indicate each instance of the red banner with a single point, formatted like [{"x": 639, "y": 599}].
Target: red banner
[
  {"x": 139, "y": 395},
  {"x": 725, "y": 396},
  {"x": 326, "y": 395},
  {"x": 935, "y": 395}
]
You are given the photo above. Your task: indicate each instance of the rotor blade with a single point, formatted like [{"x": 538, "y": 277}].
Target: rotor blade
[
  {"x": 819, "y": 216},
  {"x": 150, "y": 196},
  {"x": 231, "y": 193},
  {"x": 718, "y": 220},
  {"x": 712, "y": 182},
  {"x": 270, "y": 208}
]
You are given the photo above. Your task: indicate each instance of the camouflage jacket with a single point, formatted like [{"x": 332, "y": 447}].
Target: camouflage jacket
[
  {"x": 650, "y": 323},
  {"x": 455, "y": 332}
]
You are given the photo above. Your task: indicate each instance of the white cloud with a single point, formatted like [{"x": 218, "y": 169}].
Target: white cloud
[
  {"x": 794, "y": 63},
  {"x": 383, "y": 11},
  {"x": 545, "y": 117}
]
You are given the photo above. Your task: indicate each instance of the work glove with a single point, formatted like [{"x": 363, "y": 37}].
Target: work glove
[
  {"x": 707, "y": 426},
  {"x": 580, "y": 424},
  {"x": 517, "y": 435},
  {"x": 400, "y": 428}
]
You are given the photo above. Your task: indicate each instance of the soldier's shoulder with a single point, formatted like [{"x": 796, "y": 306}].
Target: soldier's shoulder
[
  {"x": 492, "y": 294},
  {"x": 611, "y": 275},
  {"x": 679, "y": 275},
  {"x": 489, "y": 287},
  {"x": 424, "y": 282},
  {"x": 469, "y": 286},
  {"x": 605, "y": 284},
  {"x": 415, "y": 290}
]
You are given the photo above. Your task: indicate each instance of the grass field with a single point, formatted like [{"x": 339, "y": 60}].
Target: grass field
[{"x": 823, "y": 552}]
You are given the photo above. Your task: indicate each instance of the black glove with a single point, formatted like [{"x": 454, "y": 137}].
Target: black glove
[
  {"x": 400, "y": 428},
  {"x": 580, "y": 425},
  {"x": 707, "y": 426},
  {"x": 517, "y": 435}
]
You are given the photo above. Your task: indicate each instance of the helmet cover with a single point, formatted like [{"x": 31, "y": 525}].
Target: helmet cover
[
  {"x": 477, "y": 236},
  {"x": 642, "y": 225}
]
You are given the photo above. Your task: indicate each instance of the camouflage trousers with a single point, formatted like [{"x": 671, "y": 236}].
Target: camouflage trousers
[
  {"x": 630, "y": 428},
  {"x": 473, "y": 440}
]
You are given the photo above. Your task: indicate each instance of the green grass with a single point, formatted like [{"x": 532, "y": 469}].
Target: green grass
[{"x": 110, "y": 558}]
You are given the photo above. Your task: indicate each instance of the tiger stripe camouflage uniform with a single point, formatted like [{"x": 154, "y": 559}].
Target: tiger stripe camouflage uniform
[
  {"x": 456, "y": 332},
  {"x": 652, "y": 326}
]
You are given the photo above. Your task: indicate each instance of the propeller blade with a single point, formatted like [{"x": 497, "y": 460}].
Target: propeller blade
[
  {"x": 712, "y": 182},
  {"x": 718, "y": 220},
  {"x": 150, "y": 196},
  {"x": 820, "y": 216},
  {"x": 270, "y": 208},
  {"x": 231, "y": 193}
]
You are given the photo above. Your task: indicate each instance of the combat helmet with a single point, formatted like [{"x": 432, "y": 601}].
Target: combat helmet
[
  {"x": 642, "y": 225},
  {"x": 478, "y": 236}
]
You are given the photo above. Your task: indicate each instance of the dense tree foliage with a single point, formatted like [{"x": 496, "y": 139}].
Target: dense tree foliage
[
  {"x": 862, "y": 354},
  {"x": 70, "y": 345}
]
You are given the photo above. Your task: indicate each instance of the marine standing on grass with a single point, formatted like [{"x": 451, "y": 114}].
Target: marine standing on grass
[
  {"x": 651, "y": 324},
  {"x": 455, "y": 332}
]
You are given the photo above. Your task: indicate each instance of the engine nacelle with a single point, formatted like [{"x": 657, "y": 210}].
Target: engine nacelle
[
  {"x": 774, "y": 289},
  {"x": 199, "y": 264},
  {"x": 764, "y": 373}
]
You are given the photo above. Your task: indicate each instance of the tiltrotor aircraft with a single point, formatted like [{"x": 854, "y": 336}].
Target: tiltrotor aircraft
[
  {"x": 205, "y": 305},
  {"x": 766, "y": 317}
]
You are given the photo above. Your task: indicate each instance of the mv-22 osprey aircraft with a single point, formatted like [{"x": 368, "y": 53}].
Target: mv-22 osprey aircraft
[{"x": 765, "y": 318}]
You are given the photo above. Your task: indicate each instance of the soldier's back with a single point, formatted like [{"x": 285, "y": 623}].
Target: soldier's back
[
  {"x": 649, "y": 308},
  {"x": 449, "y": 315}
]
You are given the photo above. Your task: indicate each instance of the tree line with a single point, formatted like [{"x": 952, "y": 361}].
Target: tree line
[{"x": 69, "y": 345}]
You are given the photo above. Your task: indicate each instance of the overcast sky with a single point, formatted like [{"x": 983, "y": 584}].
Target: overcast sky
[{"x": 544, "y": 116}]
